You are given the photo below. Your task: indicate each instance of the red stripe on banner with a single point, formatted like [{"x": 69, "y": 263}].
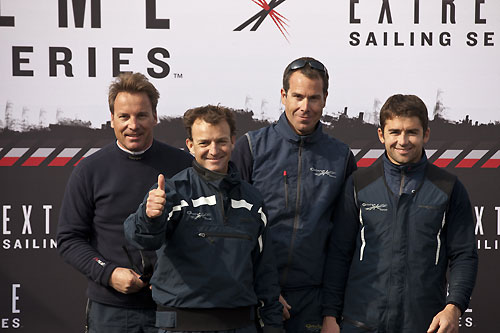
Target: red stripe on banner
[
  {"x": 491, "y": 163},
  {"x": 79, "y": 161},
  {"x": 8, "y": 161},
  {"x": 467, "y": 163},
  {"x": 60, "y": 161},
  {"x": 366, "y": 162},
  {"x": 443, "y": 162},
  {"x": 87, "y": 154},
  {"x": 33, "y": 161}
]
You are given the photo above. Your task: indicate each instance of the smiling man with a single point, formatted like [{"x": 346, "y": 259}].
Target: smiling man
[
  {"x": 215, "y": 261},
  {"x": 398, "y": 227},
  {"x": 299, "y": 170},
  {"x": 210, "y": 143},
  {"x": 102, "y": 191},
  {"x": 133, "y": 120}
]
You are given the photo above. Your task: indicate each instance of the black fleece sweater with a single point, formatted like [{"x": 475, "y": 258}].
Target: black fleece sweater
[{"x": 103, "y": 190}]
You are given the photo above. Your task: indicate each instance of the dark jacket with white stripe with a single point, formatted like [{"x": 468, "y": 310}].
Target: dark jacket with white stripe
[
  {"x": 397, "y": 230},
  {"x": 213, "y": 250},
  {"x": 300, "y": 178}
]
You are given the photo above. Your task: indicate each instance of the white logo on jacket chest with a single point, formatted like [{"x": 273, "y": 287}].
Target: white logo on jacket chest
[
  {"x": 197, "y": 216},
  {"x": 373, "y": 206},
  {"x": 319, "y": 173}
]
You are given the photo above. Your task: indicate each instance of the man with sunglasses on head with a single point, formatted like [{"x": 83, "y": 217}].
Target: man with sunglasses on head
[
  {"x": 299, "y": 170},
  {"x": 102, "y": 191}
]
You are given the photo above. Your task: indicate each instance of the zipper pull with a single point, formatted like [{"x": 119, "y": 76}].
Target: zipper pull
[
  {"x": 202, "y": 235},
  {"x": 286, "y": 188}
]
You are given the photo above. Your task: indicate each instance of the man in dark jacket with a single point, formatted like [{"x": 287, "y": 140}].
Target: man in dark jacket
[
  {"x": 215, "y": 261},
  {"x": 299, "y": 170},
  {"x": 399, "y": 226},
  {"x": 102, "y": 191}
]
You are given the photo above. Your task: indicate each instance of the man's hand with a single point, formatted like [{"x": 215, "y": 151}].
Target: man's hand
[
  {"x": 330, "y": 325},
  {"x": 286, "y": 307},
  {"x": 446, "y": 320},
  {"x": 156, "y": 199},
  {"x": 125, "y": 281}
]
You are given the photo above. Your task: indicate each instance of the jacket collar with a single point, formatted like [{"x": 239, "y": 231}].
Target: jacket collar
[
  {"x": 413, "y": 173},
  {"x": 216, "y": 178},
  {"x": 406, "y": 168},
  {"x": 284, "y": 129}
]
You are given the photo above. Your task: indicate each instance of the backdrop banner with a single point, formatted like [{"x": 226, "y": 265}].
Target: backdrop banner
[{"x": 57, "y": 59}]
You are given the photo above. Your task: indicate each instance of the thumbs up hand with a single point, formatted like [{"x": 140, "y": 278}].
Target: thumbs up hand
[{"x": 156, "y": 199}]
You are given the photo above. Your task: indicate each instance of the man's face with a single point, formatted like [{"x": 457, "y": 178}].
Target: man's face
[
  {"x": 133, "y": 121},
  {"x": 304, "y": 102},
  {"x": 404, "y": 139},
  {"x": 211, "y": 145}
]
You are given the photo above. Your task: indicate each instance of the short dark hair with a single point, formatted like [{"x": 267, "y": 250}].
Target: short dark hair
[
  {"x": 404, "y": 106},
  {"x": 132, "y": 83},
  {"x": 212, "y": 114},
  {"x": 308, "y": 71}
]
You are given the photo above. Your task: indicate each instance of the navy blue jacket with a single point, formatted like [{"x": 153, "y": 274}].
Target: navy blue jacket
[
  {"x": 212, "y": 244},
  {"x": 395, "y": 235},
  {"x": 102, "y": 191},
  {"x": 300, "y": 178}
]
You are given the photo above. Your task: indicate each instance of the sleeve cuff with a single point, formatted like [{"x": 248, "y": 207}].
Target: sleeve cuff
[
  {"x": 461, "y": 307},
  {"x": 106, "y": 274},
  {"x": 331, "y": 313},
  {"x": 152, "y": 224}
]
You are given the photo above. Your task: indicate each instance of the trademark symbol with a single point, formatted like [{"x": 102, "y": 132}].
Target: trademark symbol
[{"x": 177, "y": 75}]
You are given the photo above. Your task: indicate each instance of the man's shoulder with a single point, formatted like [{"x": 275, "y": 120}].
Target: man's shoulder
[
  {"x": 251, "y": 191},
  {"x": 263, "y": 131},
  {"x": 334, "y": 142},
  {"x": 186, "y": 181},
  {"x": 166, "y": 148},
  {"x": 263, "y": 139},
  {"x": 96, "y": 164},
  {"x": 170, "y": 159},
  {"x": 247, "y": 143},
  {"x": 183, "y": 175},
  {"x": 101, "y": 155},
  {"x": 441, "y": 178},
  {"x": 434, "y": 172},
  {"x": 362, "y": 177}
]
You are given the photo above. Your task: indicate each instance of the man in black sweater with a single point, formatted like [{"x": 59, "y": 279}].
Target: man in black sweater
[{"x": 102, "y": 191}]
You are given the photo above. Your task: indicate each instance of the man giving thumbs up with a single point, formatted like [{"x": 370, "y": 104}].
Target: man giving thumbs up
[
  {"x": 215, "y": 264},
  {"x": 156, "y": 199}
]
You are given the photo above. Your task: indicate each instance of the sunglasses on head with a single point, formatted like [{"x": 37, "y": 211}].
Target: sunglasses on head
[{"x": 300, "y": 63}]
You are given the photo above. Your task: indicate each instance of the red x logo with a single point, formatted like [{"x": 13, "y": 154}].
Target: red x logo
[{"x": 267, "y": 9}]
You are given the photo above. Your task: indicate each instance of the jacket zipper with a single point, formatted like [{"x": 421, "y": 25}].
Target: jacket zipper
[
  {"x": 223, "y": 235},
  {"x": 402, "y": 183},
  {"x": 388, "y": 296},
  {"x": 296, "y": 217},
  {"x": 286, "y": 188},
  {"x": 222, "y": 207}
]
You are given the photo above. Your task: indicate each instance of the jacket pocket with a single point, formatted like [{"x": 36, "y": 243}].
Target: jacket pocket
[{"x": 223, "y": 235}]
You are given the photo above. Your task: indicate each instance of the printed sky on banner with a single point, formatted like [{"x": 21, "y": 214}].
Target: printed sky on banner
[{"x": 203, "y": 58}]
